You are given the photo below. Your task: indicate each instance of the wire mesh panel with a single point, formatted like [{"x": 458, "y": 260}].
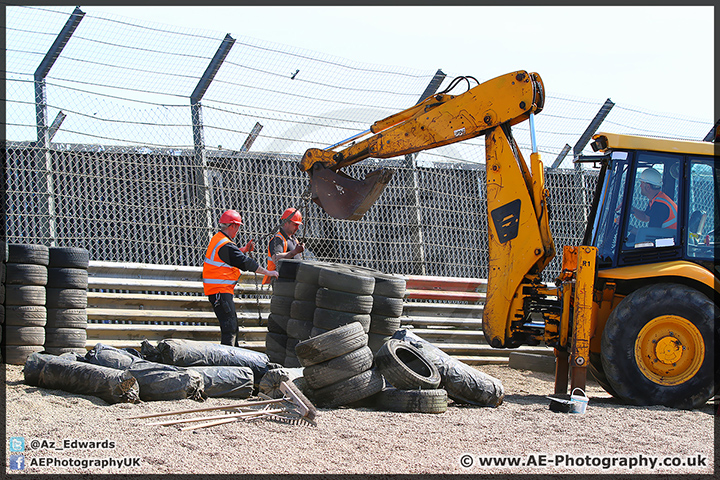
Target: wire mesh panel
[{"x": 131, "y": 172}]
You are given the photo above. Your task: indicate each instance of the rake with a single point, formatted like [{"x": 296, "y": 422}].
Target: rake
[{"x": 293, "y": 407}]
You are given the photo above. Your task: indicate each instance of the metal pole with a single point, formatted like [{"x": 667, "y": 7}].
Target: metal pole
[
  {"x": 410, "y": 162},
  {"x": 203, "y": 180},
  {"x": 44, "y": 158}
]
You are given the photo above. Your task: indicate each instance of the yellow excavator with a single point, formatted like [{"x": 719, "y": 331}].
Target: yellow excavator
[{"x": 636, "y": 303}]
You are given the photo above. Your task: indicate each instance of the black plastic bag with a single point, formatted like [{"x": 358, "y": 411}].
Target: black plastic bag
[
  {"x": 109, "y": 384},
  {"x": 223, "y": 381},
  {"x": 463, "y": 383},
  {"x": 111, "y": 357},
  {"x": 166, "y": 382},
  {"x": 35, "y": 363},
  {"x": 192, "y": 353}
]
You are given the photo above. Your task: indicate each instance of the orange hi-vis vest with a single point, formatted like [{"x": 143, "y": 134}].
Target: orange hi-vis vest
[
  {"x": 218, "y": 276},
  {"x": 671, "y": 221},
  {"x": 270, "y": 263}
]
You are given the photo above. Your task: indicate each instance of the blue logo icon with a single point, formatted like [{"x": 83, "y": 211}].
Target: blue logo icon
[
  {"x": 17, "y": 444},
  {"x": 17, "y": 462}
]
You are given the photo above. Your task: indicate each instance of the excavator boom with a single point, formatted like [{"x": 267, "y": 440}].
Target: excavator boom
[{"x": 440, "y": 119}]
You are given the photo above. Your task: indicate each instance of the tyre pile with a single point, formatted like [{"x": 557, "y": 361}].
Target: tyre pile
[
  {"x": 44, "y": 300},
  {"x": 338, "y": 325}
]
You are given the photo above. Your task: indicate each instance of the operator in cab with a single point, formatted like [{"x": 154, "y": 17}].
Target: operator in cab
[{"x": 661, "y": 212}]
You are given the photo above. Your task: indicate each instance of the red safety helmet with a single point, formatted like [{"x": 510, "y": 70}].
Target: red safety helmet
[
  {"x": 292, "y": 215},
  {"x": 231, "y": 216}
]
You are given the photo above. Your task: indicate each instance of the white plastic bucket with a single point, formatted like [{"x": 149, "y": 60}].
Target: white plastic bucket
[{"x": 578, "y": 401}]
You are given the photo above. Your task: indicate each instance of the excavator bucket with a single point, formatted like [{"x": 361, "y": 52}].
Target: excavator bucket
[{"x": 344, "y": 197}]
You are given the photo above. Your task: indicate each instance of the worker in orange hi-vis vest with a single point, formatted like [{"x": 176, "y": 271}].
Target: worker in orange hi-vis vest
[
  {"x": 221, "y": 271},
  {"x": 284, "y": 245}
]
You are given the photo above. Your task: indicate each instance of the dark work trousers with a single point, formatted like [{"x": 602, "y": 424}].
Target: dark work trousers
[{"x": 224, "y": 308}]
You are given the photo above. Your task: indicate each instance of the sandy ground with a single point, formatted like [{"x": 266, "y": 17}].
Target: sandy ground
[{"x": 609, "y": 438}]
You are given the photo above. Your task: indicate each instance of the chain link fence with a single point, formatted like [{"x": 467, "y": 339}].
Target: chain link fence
[{"x": 130, "y": 138}]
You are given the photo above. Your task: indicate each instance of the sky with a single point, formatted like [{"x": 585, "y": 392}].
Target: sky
[{"x": 657, "y": 58}]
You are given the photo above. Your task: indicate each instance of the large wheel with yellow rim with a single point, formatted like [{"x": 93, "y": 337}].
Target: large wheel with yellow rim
[{"x": 657, "y": 347}]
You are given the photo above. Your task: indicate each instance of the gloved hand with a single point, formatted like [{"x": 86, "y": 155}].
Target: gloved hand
[
  {"x": 299, "y": 248},
  {"x": 249, "y": 246}
]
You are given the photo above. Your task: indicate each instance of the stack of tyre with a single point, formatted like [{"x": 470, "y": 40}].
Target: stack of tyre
[
  {"x": 26, "y": 274},
  {"x": 278, "y": 346},
  {"x": 67, "y": 284},
  {"x": 388, "y": 300},
  {"x": 338, "y": 366},
  {"x": 413, "y": 380}
]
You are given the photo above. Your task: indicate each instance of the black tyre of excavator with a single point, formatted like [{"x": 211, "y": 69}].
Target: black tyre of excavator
[
  {"x": 596, "y": 369},
  {"x": 623, "y": 333}
]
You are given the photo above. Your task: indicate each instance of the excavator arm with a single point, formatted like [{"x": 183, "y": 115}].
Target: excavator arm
[
  {"x": 440, "y": 119},
  {"x": 521, "y": 245}
]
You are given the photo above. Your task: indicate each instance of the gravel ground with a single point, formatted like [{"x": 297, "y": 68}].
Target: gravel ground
[{"x": 364, "y": 441}]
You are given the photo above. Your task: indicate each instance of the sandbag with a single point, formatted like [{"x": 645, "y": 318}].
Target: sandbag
[
  {"x": 34, "y": 363},
  {"x": 463, "y": 383},
  {"x": 193, "y": 353},
  {"x": 270, "y": 382},
  {"x": 166, "y": 382},
  {"x": 223, "y": 381},
  {"x": 111, "y": 385},
  {"x": 112, "y": 357}
]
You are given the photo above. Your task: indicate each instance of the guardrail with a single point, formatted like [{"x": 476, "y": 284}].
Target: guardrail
[{"x": 130, "y": 302}]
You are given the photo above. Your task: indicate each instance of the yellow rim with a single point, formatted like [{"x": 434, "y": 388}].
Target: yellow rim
[{"x": 669, "y": 350}]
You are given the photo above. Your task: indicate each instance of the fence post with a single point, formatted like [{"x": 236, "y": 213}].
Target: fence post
[
  {"x": 412, "y": 165},
  {"x": 200, "y": 154},
  {"x": 44, "y": 134}
]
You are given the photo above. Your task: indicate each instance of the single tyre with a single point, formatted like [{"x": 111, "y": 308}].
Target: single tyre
[
  {"x": 275, "y": 345},
  {"x": 309, "y": 272},
  {"x": 389, "y": 286},
  {"x": 67, "y": 318},
  {"x": 65, "y": 337},
  {"x": 302, "y": 310},
  {"x": 284, "y": 287},
  {"x": 387, "y": 306},
  {"x": 338, "y": 368},
  {"x": 280, "y": 305},
  {"x": 24, "y": 295},
  {"x": 291, "y": 361},
  {"x": 353, "y": 389},
  {"x": 328, "y": 319},
  {"x": 345, "y": 279},
  {"x": 306, "y": 291},
  {"x": 657, "y": 347},
  {"x": 26, "y": 315},
  {"x": 332, "y": 344},
  {"x": 383, "y": 325},
  {"x": 66, "y": 298},
  {"x": 287, "y": 268},
  {"x": 67, "y": 278},
  {"x": 18, "y": 354},
  {"x": 421, "y": 401},
  {"x": 26, "y": 274},
  {"x": 28, "y": 253},
  {"x": 15, "y": 335},
  {"x": 277, "y": 323},
  {"x": 299, "y": 329},
  {"x": 343, "y": 301},
  {"x": 405, "y": 367},
  {"x": 69, "y": 257}
]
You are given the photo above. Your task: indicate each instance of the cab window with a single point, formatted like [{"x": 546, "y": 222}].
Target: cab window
[
  {"x": 652, "y": 218},
  {"x": 702, "y": 209}
]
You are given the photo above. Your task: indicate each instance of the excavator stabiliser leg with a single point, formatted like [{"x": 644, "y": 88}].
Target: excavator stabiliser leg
[{"x": 344, "y": 197}]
